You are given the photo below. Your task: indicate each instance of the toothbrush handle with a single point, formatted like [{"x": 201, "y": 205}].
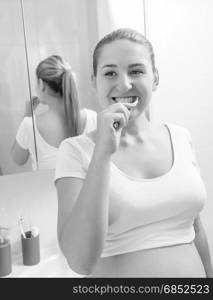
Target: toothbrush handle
[{"x": 116, "y": 125}]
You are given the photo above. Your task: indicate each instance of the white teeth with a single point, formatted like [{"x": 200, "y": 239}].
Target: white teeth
[{"x": 125, "y": 99}]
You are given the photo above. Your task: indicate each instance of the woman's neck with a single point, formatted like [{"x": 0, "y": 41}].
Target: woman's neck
[
  {"x": 56, "y": 106},
  {"x": 138, "y": 129}
]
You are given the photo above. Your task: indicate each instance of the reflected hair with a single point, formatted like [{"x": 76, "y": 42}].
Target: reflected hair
[{"x": 58, "y": 76}]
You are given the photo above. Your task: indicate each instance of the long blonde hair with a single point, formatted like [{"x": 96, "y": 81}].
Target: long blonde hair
[{"x": 57, "y": 74}]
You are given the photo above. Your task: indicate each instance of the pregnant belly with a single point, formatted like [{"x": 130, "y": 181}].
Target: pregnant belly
[{"x": 173, "y": 261}]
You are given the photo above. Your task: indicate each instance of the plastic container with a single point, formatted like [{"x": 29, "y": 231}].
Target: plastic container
[
  {"x": 5, "y": 258},
  {"x": 30, "y": 249}
]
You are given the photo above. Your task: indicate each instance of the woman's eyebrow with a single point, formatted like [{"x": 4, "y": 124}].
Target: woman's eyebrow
[
  {"x": 130, "y": 66},
  {"x": 109, "y": 66},
  {"x": 137, "y": 65}
]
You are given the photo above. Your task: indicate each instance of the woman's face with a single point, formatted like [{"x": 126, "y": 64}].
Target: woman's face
[{"x": 124, "y": 74}]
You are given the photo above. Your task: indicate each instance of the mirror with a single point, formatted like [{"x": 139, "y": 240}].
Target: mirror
[{"x": 33, "y": 30}]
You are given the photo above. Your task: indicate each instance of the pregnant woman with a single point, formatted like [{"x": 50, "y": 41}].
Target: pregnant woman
[{"x": 130, "y": 193}]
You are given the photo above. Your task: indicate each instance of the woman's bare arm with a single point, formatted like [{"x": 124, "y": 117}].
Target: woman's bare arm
[
  {"x": 19, "y": 155},
  {"x": 202, "y": 246},
  {"x": 83, "y": 215}
]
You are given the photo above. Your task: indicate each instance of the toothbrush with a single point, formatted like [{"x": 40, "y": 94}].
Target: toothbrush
[
  {"x": 21, "y": 227},
  {"x": 34, "y": 231},
  {"x": 116, "y": 124},
  {"x": 2, "y": 237}
]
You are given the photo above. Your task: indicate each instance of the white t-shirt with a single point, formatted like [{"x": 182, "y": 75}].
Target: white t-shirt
[
  {"x": 46, "y": 153},
  {"x": 148, "y": 213}
]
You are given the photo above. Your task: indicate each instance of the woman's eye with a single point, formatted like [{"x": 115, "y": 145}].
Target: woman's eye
[
  {"x": 110, "y": 74},
  {"x": 137, "y": 72}
]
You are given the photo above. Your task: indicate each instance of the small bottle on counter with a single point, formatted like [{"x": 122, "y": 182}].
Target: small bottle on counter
[{"x": 5, "y": 253}]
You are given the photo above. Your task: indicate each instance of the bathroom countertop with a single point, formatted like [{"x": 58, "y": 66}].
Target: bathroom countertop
[{"x": 52, "y": 264}]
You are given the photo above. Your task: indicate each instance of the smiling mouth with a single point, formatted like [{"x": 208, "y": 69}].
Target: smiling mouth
[{"x": 131, "y": 99}]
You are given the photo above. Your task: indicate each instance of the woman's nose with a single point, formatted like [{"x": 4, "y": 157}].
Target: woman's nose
[{"x": 124, "y": 83}]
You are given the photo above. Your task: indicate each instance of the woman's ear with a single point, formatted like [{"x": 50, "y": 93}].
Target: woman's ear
[
  {"x": 93, "y": 80},
  {"x": 156, "y": 80},
  {"x": 41, "y": 84}
]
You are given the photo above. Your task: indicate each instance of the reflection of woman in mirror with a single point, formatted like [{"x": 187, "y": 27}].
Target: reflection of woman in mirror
[
  {"x": 130, "y": 193},
  {"x": 56, "y": 88}
]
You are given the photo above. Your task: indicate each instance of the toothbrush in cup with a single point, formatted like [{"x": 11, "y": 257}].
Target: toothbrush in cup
[
  {"x": 21, "y": 227},
  {"x": 3, "y": 238}
]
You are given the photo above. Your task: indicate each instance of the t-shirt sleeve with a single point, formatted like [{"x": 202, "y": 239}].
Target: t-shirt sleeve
[
  {"x": 23, "y": 133},
  {"x": 91, "y": 121},
  {"x": 69, "y": 162}
]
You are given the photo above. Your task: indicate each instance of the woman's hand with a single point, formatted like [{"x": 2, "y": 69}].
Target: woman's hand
[
  {"x": 110, "y": 123},
  {"x": 34, "y": 102}
]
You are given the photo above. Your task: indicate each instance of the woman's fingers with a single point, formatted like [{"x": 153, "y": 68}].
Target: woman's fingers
[
  {"x": 117, "y": 115},
  {"x": 35, "y": 102},
  {"x": 122, "y": 109}
]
